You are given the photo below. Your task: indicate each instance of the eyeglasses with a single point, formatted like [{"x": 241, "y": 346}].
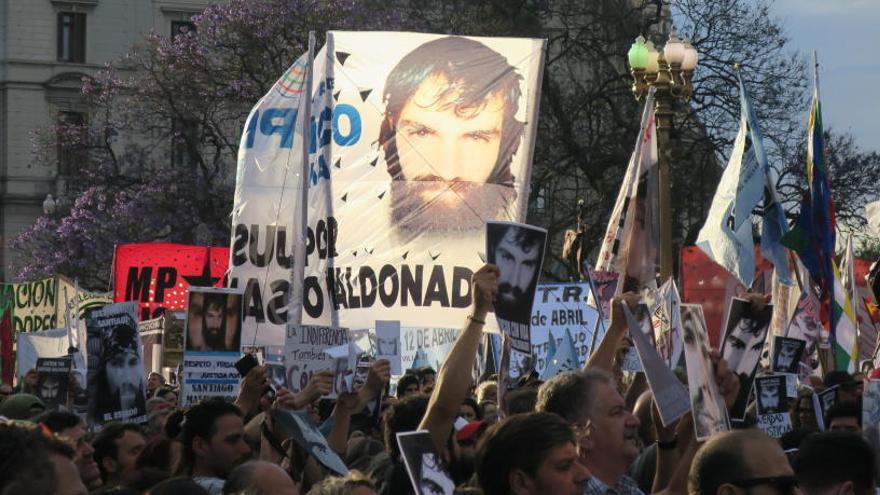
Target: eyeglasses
[{"x": 782, "y": 484}]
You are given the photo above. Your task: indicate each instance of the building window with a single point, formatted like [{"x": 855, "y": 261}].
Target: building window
[
  {"x": 181, "y": 27},
  {"x": 71, "y": 149},
  {"x": 71, "y": 37}
]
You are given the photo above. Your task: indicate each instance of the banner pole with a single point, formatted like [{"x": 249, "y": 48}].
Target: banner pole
[{"x": 298, "y": 273}]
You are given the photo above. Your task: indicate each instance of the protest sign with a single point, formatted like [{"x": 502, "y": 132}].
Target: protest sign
[
  {"x": 428, "y": 474},
  {"x": 421, "y": 347},
  {"x": 393, "y": 222},
  {"x": 151, "y": 343},
  {"x": 115, "y": 365},
  {"x": 772, "y": 405},
  {"x": 296, "y": 424},
  {"x": 157, "y": 274},
  {"x": 46, "y": 344},
  {"x": 871, "y": 413},
  {"x": 605, "y": 286},
  {"x": 304, "y": 353},
  {"x": 710, "y": 411},
  {"x": 670, "y": 395},
  {"x": 560, "y": 307},
  {"x": 665, "y": 308},
  {"x": 7, "y": 353},
  {"x": 518, "y": 251},
  {"x": 172, "y": 339},
  {"x": 35, "y": 305},
  {"x": 787, "y": 354},
  {"x": 741, "y": 347},
  {"x": 822, "y": 402},
  {"x": 806, "y": 325},
  {"x": 53, "y": 378},
  {"x": 388, "y": 344},
  {"x": 212, "y": 344},
  {"x": 73, "y": 302}
]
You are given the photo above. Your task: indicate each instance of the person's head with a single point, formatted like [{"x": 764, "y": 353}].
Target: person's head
[
  {"x": 121, "y": 365},
  {"x": 26, "y": 467},
  {"x": 405, "y": 415},
  {"x": 835, "y": 462},
  {"x": 738, "y": 463},
  {"x": 117, "y": 447},
  {"x": 844, "y": 416},
  {"x": 802, "y": 413},
  {"x": 518, "y": 257},
  {"x": 69, "y": 425},
  {"x": 5, "y": 391},
  {"x": 532, "y": 453},
  {"x": 450, "y": 133},
  {"x": 427, "y": 379},
  {"x": 21, "y": 406},
  {"x": 213, "y": 438},
  {"x": 743, "y": 345},
  {"x": 353, "y": 483},
  {"x": 469, "y": 410},
  {"x": 521, "y": 400},
  {"x": 155, "y": 381},
  {"x": 168, "y": 394},
  {"x": 409, "y": 384},
  {"x": 259, "y": 478},
  {"x": 607, "y": 431},
  {"x": 487, "y": 390}
]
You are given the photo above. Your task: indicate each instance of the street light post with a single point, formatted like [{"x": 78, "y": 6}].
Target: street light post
[{"x": 669, "y": 72}]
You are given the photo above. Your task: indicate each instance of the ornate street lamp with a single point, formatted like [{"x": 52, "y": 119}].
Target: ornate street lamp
[{"x": 668, "y": 71}]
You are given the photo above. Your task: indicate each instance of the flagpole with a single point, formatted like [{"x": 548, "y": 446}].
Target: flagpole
[{"x": 298, "y": 274}]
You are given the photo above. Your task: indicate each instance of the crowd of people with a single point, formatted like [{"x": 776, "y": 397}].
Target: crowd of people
[{"x": 589, "y": 431}]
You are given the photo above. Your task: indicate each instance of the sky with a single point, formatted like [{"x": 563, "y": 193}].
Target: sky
[{"x": 847, "y": 37}]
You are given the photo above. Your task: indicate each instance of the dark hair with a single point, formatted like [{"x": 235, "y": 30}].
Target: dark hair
[
  {"x": 521, "y": 400},
  {"x": 25, "y": 466},
  {"x": 844, "y": 410},
  {"x": 520, "y": 442},
  {"x": 405, "y": 381},
  {"x": 521, "y": 237},
  {"x": 425, "y": 372},
  {"x": 105, "y": 442},
  {"x": 181, "y": 485},
  {"x": 833, "y": 457},
  {"x": 473, "y": 405},
  {"x": 405, "y": 415},
  {"x": 721, "y": 461},
  {"x": 474, "y": 72},
  {"x": 572, "y": 394},
  {"x": 156, "y": 454},
  {"x": 164, "y": 391},
  {"x": 57, "y": 421},
  {"x": 174, "y": 424},
  {"x": 201, "y": 421}
]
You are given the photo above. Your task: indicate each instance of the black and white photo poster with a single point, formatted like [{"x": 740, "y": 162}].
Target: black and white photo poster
[
  {"x": 518, "y": 252},
  {"x": 743, "y": 342},
  {"x": 116, "y": 371},
  {"x": 53, "y": 376},
  {"x": 710, "y": 411},
  {"x": 388, "y": 344},
  {"x": 425, "y": 468},
  {"x": 787, "y": 353},
  {"x": 772, "y": 405}
]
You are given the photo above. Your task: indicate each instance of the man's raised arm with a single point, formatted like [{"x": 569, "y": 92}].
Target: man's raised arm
[{"x": 455, "y": 374}]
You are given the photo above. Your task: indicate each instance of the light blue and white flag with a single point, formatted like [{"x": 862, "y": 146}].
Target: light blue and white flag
[{"x": 726, "y": 237}]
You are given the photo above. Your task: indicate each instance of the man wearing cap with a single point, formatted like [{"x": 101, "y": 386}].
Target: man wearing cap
[
  {"x": 848, "y": 388},
  {"x": 21, "y": 406}
]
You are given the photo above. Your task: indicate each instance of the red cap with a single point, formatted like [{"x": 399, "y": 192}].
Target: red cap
[{"x": 470, "y": 430}]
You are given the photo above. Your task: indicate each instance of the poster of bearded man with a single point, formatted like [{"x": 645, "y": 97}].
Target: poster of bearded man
[
  {"x": 115, "y": 365},
  {"x": 414, "y": 142}
]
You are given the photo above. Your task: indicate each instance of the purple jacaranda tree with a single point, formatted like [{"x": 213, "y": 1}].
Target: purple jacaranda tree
[{"x": 155, "y": 159}]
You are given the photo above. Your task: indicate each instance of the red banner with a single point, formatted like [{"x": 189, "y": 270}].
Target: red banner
[{"x": 157, "y": 275}]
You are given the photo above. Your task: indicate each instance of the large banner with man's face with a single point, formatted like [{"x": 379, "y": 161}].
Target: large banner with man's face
[{"x": 416, "y": 141}]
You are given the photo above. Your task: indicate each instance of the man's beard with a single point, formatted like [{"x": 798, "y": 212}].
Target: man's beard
[
  {"x": 430, "y": 204},
  {"x": 214, "y": 337}
]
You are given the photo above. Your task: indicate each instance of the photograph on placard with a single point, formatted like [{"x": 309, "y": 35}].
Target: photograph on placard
[
  {"x": 518, "y": 252},
  {"x": 742, "y": 345},
  {"x": 213, "y": 321},
  {"x": 770, "y": 394},
  {"x": 388, "y": 344},
  {"x": 710, "y": 411},
  {"x": 53, "y": 377},
  {"x": 787, "y": 353},
  {"x": 428, "y": 474}
]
